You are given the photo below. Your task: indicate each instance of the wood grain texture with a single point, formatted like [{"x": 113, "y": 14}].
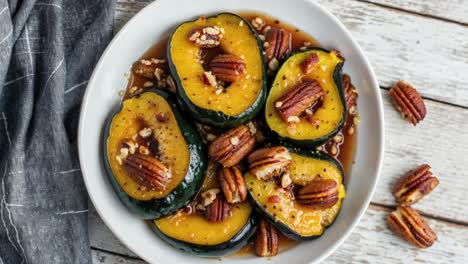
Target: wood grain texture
[
  {"x": 453, "y": 10},
  {"x": 439, "y": 140},
  {"x": 428, "y": 52},
  {"x": 371, "y": 242},
  {"x": 432, "y": 54},
  {"x": 102, "y": 238},
  {"x": 100, "y": 257}
]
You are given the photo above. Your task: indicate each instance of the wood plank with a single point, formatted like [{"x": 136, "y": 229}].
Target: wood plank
[
  {"x": 100, "y": 257},
  {"x": 432, "y": 54},
  {"x": 101, "y": 237},
  {"x": 439, "y": 140},
  {"x": 406, "y": 146},
  {"x": 454, "y": 10},
  {"x": 371, "y": 242}
]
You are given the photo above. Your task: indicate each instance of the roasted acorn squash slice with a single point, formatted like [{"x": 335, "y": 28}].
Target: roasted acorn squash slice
[
  {"x": 180, "y": 147},
  {"x": 243, "y": 98},
  {"x": 297, "y": 221},
  {"x": 329, "y": 116},
  {"x": 194, "y": 234}
]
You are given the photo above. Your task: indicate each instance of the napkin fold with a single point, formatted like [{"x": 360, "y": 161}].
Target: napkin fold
[{"x": 48, "y": 49}]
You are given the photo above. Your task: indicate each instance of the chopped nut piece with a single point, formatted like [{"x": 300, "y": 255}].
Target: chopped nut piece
[
  {"x": 146, "y": 68},
  {"x": 353, "y": 110},
  {"x": 133, "y": 90},
  {"x": 266, "y": 163},
  {"x": 143, "y": 150},
  {"x": 408, "y": 102},
  {"x": 130, "y": 145},
  {"x": 298, "y": 99},
  {"x": 171, "y": 84},
  {"x": 257, "y": 23},
  {"x": 293, "y": 119},
  {"x": 415, "y": 184},
  {"x": 119, "y": 160},
  {"x": 206, "y": 37},
  {"x": 309, "y": 62},
  {"x": 210, "y": 79},
  {"x": 234, "y": 140},
  {"x": 252, "y": 127},
  {"x": 162, "y": 117},
  {"x": 158, "y": 73},
  {"x": 334, "y": 150},
  {"x": 145, "y": 132},
  {"x": 408, "y": 223},
  {"x": 338, "y": 138},
  {"x": 285, "y": 180},
  {"x": 350, "y": 93},
  {"x": 273, "y": 64},
  {"x": 124, "y": 153},
  {"x": 266, "y": 242},
  {"x": 148, "y": 84},
  {"x": 209, "y": 196}
]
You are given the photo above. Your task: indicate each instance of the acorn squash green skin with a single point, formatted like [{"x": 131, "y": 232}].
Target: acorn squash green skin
[
  {"x": 234, "y": 244},
  {"x": 218, "y": 118},
  {"x": 283, "y": 227},
  {"x": 338, "y": 78},
  {"x": 186, "y": 190}
]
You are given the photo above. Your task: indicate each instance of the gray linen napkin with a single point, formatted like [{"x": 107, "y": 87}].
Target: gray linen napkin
[{"x": 48, "y": 49}]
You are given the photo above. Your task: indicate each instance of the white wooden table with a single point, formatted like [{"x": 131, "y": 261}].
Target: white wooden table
[{"x": 425, "y": 43}]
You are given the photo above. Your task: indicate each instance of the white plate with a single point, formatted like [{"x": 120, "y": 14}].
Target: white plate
[{"x": 158, "y": 20}]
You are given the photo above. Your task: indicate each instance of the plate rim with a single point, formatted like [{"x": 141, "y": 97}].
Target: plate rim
[{"x": 373, "y": 82}]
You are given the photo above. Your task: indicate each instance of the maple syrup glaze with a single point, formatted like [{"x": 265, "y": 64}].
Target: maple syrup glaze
[{"x": 345, "y": 149}]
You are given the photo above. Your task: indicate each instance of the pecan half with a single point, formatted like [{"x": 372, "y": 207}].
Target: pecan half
[
  {"x": 408, "y": 102},
  {"x": 148, "y": 68},
  {"x": 218, "y": 210},
  {"x": 147, "y": 171},
  {"x": 266, "y": 163},
  {"x": 408, "y": 223},
  {"x": 232, "y": 146},
  {"x": 279, "y": 44},
  {"x": 319, "y": 194},
  {"x": 350, "y": 91},
  {"x": 206, "y": 37},
  {"x": 415, "y": 184},
  {"x": 292, "y": 104},
  {"x": 266, "y": 242},
  {"x": 233, "y": 185},
  {"x": 227, "y": 67},
  {"x": 309, "y": 62}
]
